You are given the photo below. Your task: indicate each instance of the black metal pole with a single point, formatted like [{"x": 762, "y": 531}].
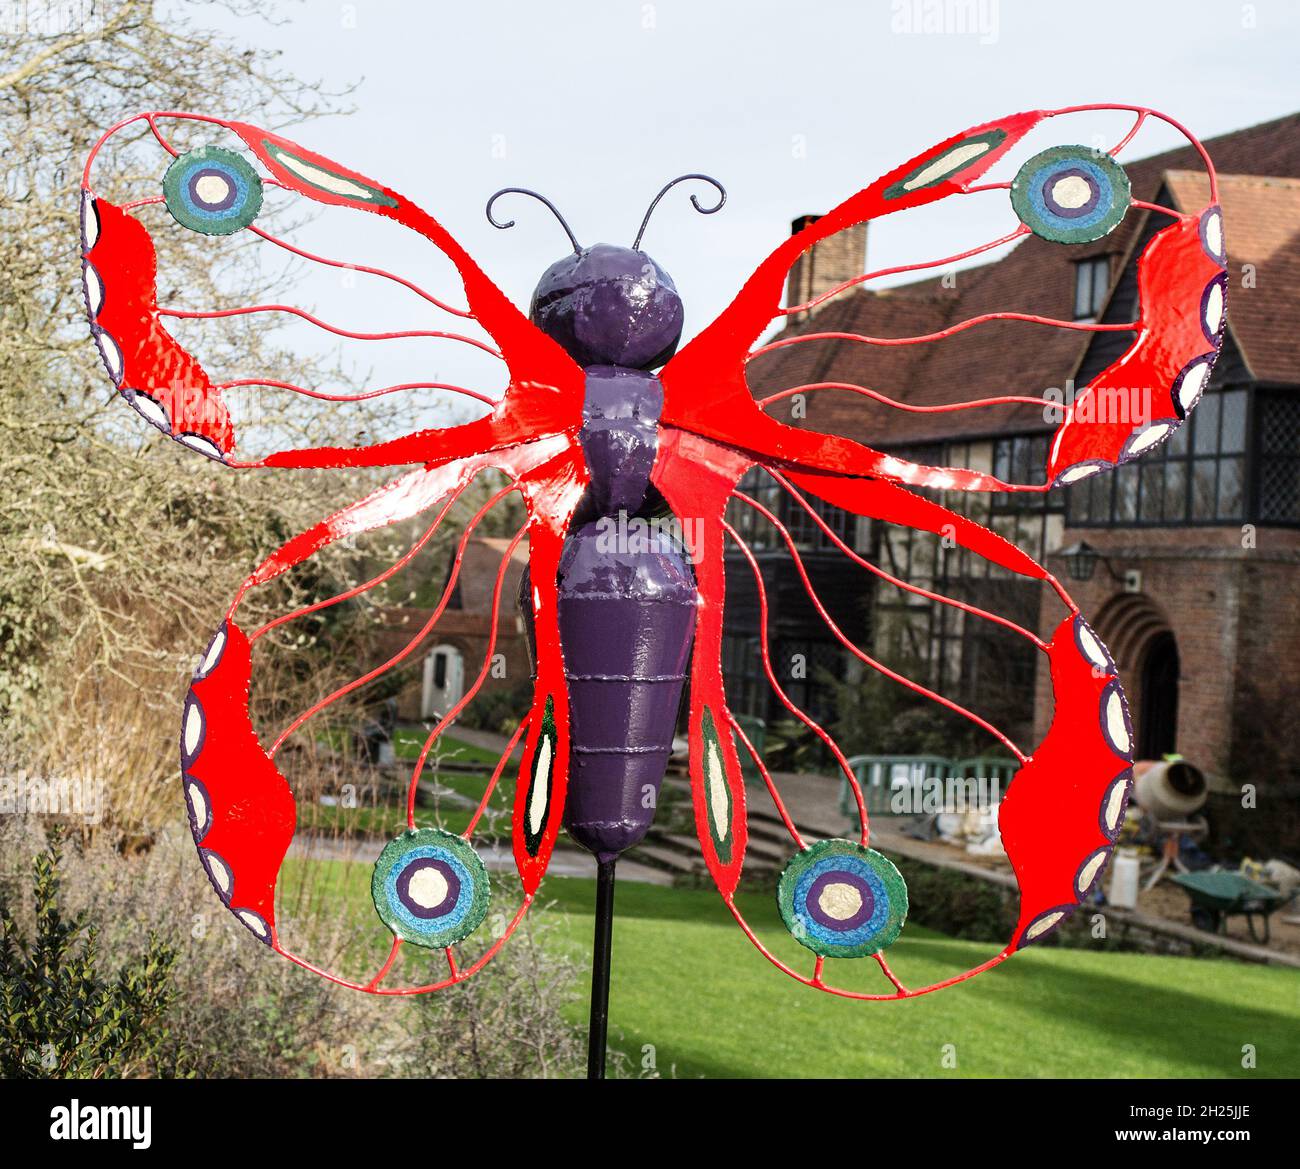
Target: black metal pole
[{"x": 600, "y": 960}]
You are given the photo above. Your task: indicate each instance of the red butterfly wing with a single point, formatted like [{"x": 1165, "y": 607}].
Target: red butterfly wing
[
  {"x": 696, "y": 478},
  {"x": 1178, "y": 332},
  {"x": 170, "y": 386},
  {"x": 243, "y": 813},
  {"x": 1065, "y": 803}
]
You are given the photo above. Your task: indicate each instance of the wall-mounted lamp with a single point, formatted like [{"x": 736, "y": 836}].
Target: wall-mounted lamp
[{"x": 1081, "y": 562}]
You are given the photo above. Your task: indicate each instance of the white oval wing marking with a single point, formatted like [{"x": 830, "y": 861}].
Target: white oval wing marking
[
  {"x": 541, "y": 784},
  {"x": 193, "y": 728},
  {"x": 1115, "y": 725},
  {"x": 322, "y": 178},
  {"x": 716, "y": 777},
  {"x": 945, "y": 164}
]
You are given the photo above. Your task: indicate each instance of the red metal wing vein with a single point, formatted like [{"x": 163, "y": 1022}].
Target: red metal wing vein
[
  {"x": 413, "y": 493},
  {"x": 1065, "y": 804},
  {"x": 242, "y": 812},
  {"x": 886, "y": 501},
  {"x": 1066, "y": 800},
  {"x": 716, "y": 358},
  {"x": 727, "y": 341},
  {"x": 531, "y": 355}
]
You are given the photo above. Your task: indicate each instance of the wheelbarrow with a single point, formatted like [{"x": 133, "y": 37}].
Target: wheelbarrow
[{"x": 1217, "y": 896}]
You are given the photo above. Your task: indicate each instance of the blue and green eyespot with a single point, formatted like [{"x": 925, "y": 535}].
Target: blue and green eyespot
[
  {"x": 1071, "y": 194},
  {"x": 430, "y": 887},
  {"x": 841, "y": 900},
  {"x": 212, "y": 190}
]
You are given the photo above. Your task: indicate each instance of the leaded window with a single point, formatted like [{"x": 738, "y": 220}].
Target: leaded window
[
  {"x": 1197, "y": 477},
  {"x": 1279, "y": 458}
]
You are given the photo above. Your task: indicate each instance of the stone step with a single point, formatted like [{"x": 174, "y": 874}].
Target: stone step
[
  {"x": 770, "y": 826},
  {"x": 687, "y": 846},
  {"x": 772, "y": 830},
  {"x": 762, "y": 852},
  {"x": 660, "y": 857}
]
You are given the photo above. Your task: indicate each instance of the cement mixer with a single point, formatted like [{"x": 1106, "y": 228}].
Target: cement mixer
[
  {"x": 1171, "y": 792},
  {"x": 1169, "y": 789}
]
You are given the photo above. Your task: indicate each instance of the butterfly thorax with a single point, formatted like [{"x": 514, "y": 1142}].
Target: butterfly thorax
[{"x": 620, "y": 438}]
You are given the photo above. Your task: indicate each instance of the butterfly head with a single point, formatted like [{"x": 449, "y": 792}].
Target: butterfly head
[{"x": 610, "y": 305}]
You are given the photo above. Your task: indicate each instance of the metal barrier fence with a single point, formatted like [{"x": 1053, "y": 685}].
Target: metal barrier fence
[{"x": 890, "y": 783}]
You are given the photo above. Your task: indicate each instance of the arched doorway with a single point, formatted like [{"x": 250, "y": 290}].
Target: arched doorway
[
  {"x": 1158, "y": 719},
  {"x": 1141, "y": 641},
  {"x": 444, "y": 681}
]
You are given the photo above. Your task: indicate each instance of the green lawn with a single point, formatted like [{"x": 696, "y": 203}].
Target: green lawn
[
  {"x": 389, "y": 819},
  {"x": 688, "y": 983},
  {"x": 408, "y": 742}
]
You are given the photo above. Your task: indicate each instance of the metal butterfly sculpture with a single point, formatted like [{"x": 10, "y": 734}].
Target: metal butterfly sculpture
[{"x": 586, "y": 432}]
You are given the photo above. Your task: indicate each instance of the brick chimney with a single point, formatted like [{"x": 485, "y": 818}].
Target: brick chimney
[{"x": 835, "y": 259}]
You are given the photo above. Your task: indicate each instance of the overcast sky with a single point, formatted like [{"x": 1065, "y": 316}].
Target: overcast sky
[{"x": 792, "y": 106}]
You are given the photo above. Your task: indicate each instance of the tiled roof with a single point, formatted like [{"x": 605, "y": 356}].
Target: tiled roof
[
  {"x": 1037, "y": 277},
  {"x": 1262, "y": 229}
]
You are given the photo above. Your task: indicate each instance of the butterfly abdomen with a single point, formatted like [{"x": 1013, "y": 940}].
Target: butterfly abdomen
[{"x": 627, "y": 611}]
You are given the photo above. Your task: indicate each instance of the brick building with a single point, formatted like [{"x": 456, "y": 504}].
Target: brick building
[
  {"x": 1195, "y": 572},
  {"x": 452, "y": 655}
]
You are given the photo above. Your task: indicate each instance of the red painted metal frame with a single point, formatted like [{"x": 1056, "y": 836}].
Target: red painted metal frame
[{"x": 1062, "y": 810}]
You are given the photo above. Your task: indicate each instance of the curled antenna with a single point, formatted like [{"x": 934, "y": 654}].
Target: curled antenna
[
  {"x": 577, "y": 247},
  {"x": 695, "y": 200}
]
